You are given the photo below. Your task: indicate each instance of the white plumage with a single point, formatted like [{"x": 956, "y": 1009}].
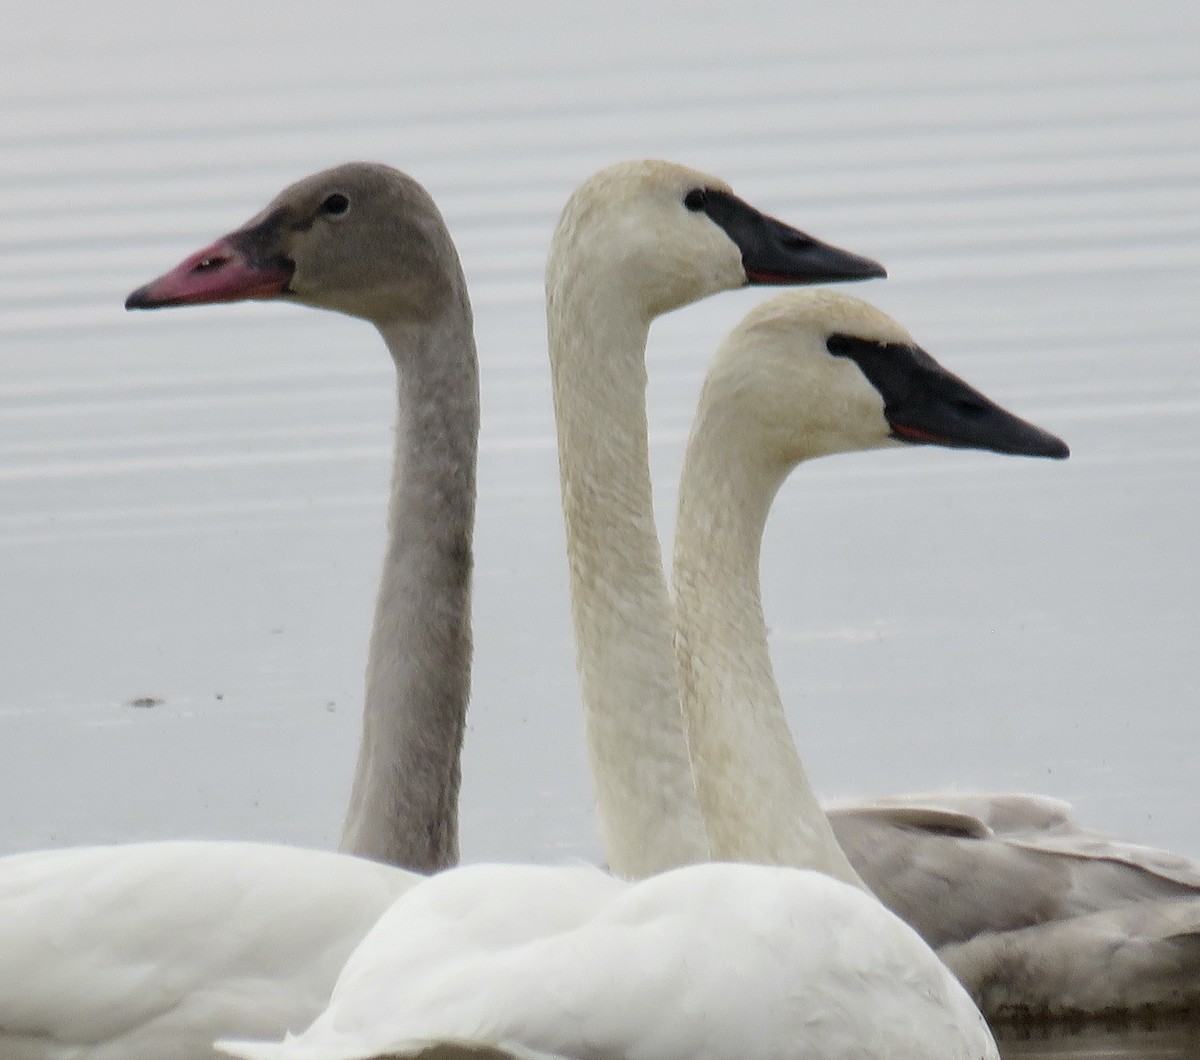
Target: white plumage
[
  {"x": 154, "y": 949},
  {"x": 706, "y": 962}
]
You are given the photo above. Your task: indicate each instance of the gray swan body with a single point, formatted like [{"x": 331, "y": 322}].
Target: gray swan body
[
  {"x": 959, "y": 866},
  {"x": 155, "y": 949},
  {"x": 977, "y": 875}
]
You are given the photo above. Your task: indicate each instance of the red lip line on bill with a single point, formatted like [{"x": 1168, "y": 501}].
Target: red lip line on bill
[{"x": 916, "y": 434}]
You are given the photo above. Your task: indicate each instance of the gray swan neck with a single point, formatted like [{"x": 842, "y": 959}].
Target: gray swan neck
[{"x": 404, "y": 802}]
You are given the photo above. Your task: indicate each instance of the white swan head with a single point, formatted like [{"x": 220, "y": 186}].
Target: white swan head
[
  {"x": 659, "y": 236},
  {"x": 361, "y": 238},
  {"x": 810, "y": 373}
]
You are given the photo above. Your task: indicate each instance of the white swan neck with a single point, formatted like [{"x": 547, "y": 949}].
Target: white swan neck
[
  {"x": 620, "y": 605},
  {"x": 757, "y": 802},
  {"x": 404, "y": 802}
]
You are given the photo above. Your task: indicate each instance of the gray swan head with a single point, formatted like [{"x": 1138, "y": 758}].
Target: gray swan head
[{"x": 362, "y": 239}]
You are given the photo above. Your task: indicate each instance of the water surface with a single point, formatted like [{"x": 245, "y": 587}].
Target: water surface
[{"x": 191, "y": 503}]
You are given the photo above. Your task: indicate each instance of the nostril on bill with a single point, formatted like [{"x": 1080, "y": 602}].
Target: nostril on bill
[
  {"x": 210, "y": 264},
  {"x": 971, "y": 408},
  {"x": 797, "y": 240}
]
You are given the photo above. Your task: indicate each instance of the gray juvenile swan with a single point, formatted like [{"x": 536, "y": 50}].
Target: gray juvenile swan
[
  {"x": 155, "y": 949},
  {"x": 807, "y": 375},
  {"x": 368, "y": 241},
  {"x": 961, "y": 866}
]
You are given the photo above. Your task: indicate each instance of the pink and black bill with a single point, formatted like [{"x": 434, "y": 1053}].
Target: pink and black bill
[
  {"x": 244, "y": 265},
  {"x": 774, "y": 253},
  {"x": 927, "y": 405}
]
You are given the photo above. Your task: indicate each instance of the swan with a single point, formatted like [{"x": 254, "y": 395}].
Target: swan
[
  {"x": 155, "y": 949},
  {"x": 368, "y": 241},
  {"x": 1040, "y": 919},
  {"x": 704, "y": 960},
  {"x": 634, "y": 241},
  {"x": 808, "y": 374}
]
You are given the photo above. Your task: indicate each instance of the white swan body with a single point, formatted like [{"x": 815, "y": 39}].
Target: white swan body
[
  {"x": 805, "y": 375},
  {"x": 707, "y": 962},
  {"x": 151, "y": 950},
  {"x": 155, "y": 949}
]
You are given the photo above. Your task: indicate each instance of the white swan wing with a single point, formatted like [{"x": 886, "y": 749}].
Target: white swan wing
[
  {"x": 707, "y": 962},
  {"x": 155, "y": 949}
]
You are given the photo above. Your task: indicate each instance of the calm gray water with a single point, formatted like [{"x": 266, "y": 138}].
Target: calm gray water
[{"x": 191, "y": 503}]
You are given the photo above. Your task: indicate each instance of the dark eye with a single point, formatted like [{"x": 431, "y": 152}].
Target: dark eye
[
  {"x": 694, "y": 199},
  {"x": 335, "y": 205}
]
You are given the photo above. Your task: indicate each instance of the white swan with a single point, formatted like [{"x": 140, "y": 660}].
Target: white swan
[
  {"x": 706, "y": 961},
  {"x": 635, "y": 241},
  {"x": 805, "y": 375},
  {"x": 155, "y": 949}
]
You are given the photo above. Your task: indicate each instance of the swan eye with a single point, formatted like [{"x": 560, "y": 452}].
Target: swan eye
[
  {"x": 335, "y": 205},
  {"x": 694, "y": 199}
]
